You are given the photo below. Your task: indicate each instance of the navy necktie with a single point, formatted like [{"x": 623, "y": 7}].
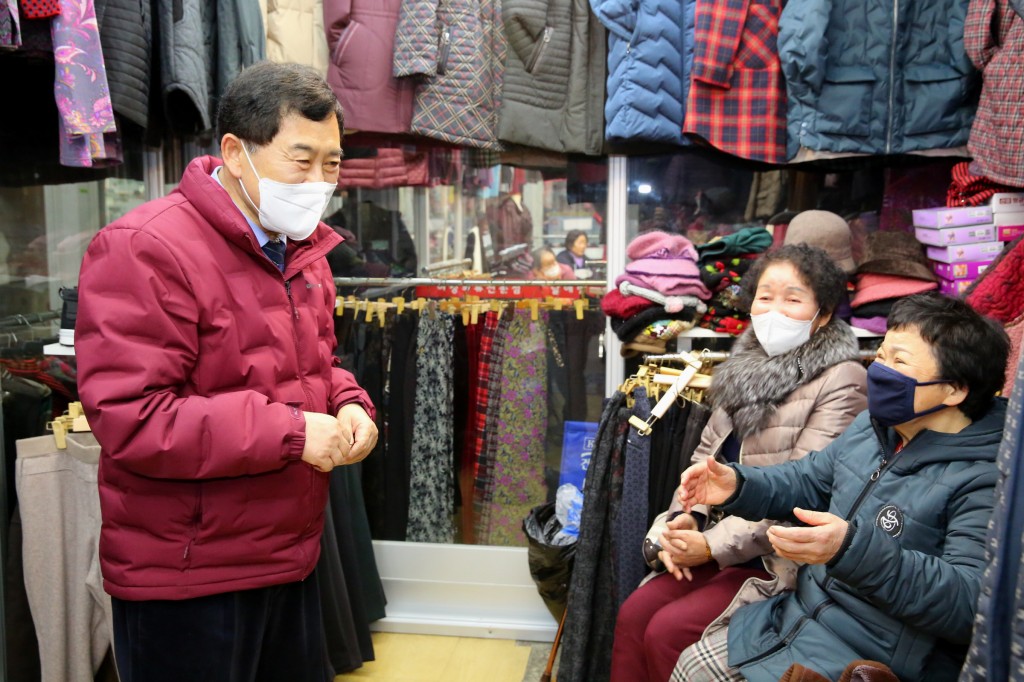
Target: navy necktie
[{"x": 275, "y": 252}]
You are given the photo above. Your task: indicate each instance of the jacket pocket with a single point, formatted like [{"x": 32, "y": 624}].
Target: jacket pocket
[
  {"x": 444, "y": 49},
  {"x": 932, "y": 99},
  {"x": 844, "y": 105},
  {"x": 344, "y": 40}
]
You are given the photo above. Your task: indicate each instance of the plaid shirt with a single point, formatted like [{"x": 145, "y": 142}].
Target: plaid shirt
[
  {"x": 994, "y": 40},
  {"x": 737, "y": 96}
]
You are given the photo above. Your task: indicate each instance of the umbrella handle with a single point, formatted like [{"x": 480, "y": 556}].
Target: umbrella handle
[{"x": 546, "y": 677}]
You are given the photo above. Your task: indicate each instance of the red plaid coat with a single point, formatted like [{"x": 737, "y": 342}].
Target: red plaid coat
[
  {"x": 994, "y": 40},
  {"x": 737, "y": 98}
]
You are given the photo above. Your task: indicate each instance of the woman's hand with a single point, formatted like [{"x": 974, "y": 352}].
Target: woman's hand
[
  {"x": 707, "y": 482},
  {"x": 816, "y": 544},
  {"x": 683, "y": 548}
]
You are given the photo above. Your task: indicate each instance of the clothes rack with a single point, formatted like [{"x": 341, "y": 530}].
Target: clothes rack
[
  {"x": 460, "y": 282},
  {"x": 722, "y": 356}
]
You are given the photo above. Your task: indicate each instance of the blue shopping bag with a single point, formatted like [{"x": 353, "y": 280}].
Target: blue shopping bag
[{"x": 577, "y": 446}]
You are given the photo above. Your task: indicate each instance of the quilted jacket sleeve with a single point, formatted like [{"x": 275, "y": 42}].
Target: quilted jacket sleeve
[
  {"x": 137, "y": 346},
  {"x": 416, "y": 39},
  {"x": 803, "y": 45},
  {"x": 979, "y": 41}
]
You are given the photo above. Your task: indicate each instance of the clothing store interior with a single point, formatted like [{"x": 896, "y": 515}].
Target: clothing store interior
[{"x": 586, "y": 247}]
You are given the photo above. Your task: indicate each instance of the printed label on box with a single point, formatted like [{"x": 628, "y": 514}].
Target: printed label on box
[
  {"x": 1007, "y": 233},
  {"x": 1007, "y": 201},
  {"x": 960, "y": 270}
]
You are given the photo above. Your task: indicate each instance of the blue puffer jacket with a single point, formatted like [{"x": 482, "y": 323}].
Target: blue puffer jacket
[
  {"x": 650, "y": 52},
  {"x": 876, "y": 76},
  {"x": 903, "y": 588}
]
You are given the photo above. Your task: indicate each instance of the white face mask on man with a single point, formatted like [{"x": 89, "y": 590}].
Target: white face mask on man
[
  {"x": 779, "y": 334},
  {"x": 293, "y": 210}
]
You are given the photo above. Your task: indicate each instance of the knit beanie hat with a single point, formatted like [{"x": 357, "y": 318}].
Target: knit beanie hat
[{"x": 828, "y": 232}]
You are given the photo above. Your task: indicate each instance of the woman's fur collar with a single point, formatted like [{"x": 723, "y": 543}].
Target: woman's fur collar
[{"x": 751, "y": 385}]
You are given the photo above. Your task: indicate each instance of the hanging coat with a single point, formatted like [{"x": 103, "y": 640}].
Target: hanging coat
[
  {"x": 650, "y": 54},
  {"x": 456, "y": 49},
  {"x": 737, "y": 98},
  {"x": 994, "y": 40},
  {"x": 876, "y": 77},
  {"x": 361, "y": 36},
  {"x": 295, "y": 33},
  {"x": 553, "y": 88}
]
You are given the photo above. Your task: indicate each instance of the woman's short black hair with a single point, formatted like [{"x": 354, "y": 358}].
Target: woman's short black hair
[
  {"x": 572, "y": 235},
  {"x": 815, "y": 267},
  {"x": 970, "y": 349},
  {"x": 264, "y": 93}
]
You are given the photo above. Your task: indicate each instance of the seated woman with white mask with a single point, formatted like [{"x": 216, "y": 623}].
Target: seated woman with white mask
[{"x": 792, "y": 384}]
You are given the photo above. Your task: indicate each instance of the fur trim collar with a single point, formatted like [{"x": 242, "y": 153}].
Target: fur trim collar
[{"x": 751, "y": 385}]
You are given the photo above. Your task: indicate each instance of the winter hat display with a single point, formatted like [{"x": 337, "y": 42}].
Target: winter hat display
[
  {"x": 895, "y": 253},
  {"x": 747, "y": 240},
  {"x": 664, "y": 262},
  {"x": 826, "y": 230}
]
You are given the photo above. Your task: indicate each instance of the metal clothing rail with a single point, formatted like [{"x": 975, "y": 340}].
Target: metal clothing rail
[
  {"x": 722, "y": 356},
  {"x": 459, "y": 282}
]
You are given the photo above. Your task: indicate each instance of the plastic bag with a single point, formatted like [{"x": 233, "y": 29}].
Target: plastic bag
[
  {"x": 550, "y": 563},
  {"x": 568, "y": 509}
]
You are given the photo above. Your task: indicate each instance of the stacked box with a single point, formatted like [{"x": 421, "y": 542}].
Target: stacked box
[
  {"x": 968, "y": 271},
  {"x": 965, "y": 253},
  {"x": 971, "y": 234},
  {"x": 1007, "y": 202},
  {"x": 954, "y": 287},
  {"x": 962, "y": 241},
  {"x": 952, "y": 217}
]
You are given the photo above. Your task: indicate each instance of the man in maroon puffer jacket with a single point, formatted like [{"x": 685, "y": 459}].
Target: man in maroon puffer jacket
[{"x": 205, "y": 351}]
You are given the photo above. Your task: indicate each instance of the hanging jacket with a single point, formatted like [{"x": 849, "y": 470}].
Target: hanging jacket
[
  {"x": 994, "y": 40},
  {"x": 737, "y": 98},
  {"x": 650, "y": 54},
  {"x": 126, "y": 34},
  {"x": 882, "y": 77},
  {"x": 203, "y": 46},
  {"x": 553, "y": 87},
  {"x": 196, "y": 360},
  {"x": 456, "y": 49},
  {"x": 997, "y": 645},
  {"x": 904, "y": 585},
  {"x": 295, "y": 33},
  {"x": 361, "y": 37},
  {"x": 390, "y": 167}
]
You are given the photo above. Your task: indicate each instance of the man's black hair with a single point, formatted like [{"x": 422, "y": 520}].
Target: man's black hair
[
  {"x": 263, "y": 94},
  {"x": 970, "y": 349},
  {"x": 815, "y": 267}
]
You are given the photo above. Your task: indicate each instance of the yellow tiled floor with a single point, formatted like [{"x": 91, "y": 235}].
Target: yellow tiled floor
[{"x": 430, "y": 658}]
